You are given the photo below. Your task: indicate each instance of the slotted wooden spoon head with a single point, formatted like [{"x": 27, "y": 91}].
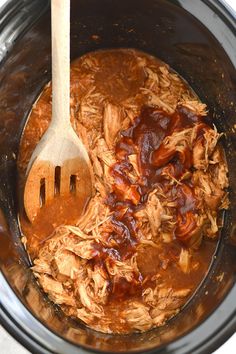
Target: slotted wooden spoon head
[{"x": 59, "y": 166}]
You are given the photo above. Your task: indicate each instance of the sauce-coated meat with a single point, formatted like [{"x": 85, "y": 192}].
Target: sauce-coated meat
[{"x": 149, "y": 232}]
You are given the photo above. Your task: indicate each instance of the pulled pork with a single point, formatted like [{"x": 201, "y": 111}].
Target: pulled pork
[{"x": 159, "y": 177}]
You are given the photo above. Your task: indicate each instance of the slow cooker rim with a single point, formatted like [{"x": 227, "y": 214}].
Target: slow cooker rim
[
  {"x": 224, "y": 11},
  {"x": 224, "y": 331}
]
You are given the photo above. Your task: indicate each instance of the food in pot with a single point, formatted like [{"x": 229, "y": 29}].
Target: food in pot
[{"x": 148, "y": 235}]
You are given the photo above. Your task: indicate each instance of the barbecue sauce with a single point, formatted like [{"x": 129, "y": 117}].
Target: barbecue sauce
[{"x": 145, "y": 136}]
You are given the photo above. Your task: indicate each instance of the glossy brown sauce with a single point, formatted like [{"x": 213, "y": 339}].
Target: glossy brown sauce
[
  {"x": 143, "y": 137},
  {"x": 146, "y": 136},
  {"x": 62, "y": 210}
]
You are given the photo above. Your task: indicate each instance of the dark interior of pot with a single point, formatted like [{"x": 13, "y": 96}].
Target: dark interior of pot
[{"x": 166, "y": 30}]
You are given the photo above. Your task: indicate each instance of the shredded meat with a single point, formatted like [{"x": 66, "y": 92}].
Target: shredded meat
[
  {"x": 136, "y": 255},
  {"x": 154, "y": 212},
  {"x": 112, "y": 123}
]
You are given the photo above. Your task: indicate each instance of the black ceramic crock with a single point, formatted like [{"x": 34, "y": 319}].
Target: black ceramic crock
[{"x": 197, "y": 39}]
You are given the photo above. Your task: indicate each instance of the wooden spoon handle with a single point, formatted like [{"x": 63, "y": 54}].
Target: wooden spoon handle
[{"x": 60, "y": 22}]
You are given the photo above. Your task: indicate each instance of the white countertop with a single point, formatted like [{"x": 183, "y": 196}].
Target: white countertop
[{"x": 8, "y": 345}]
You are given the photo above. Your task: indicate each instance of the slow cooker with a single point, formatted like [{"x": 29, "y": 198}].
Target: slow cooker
[{"x": 197, "y": 39}]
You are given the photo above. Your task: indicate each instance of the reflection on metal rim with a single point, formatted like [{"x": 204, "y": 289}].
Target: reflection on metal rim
[
  {"x": 224, "y": 31},
  {"x": 16, "y": 17}
]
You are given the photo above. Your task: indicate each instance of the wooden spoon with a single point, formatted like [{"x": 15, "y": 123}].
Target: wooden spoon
[{"x": 60, "y": 162}]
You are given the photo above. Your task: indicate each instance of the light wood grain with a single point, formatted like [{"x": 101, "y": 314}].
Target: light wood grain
[{"x": 60, "y": 146}]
